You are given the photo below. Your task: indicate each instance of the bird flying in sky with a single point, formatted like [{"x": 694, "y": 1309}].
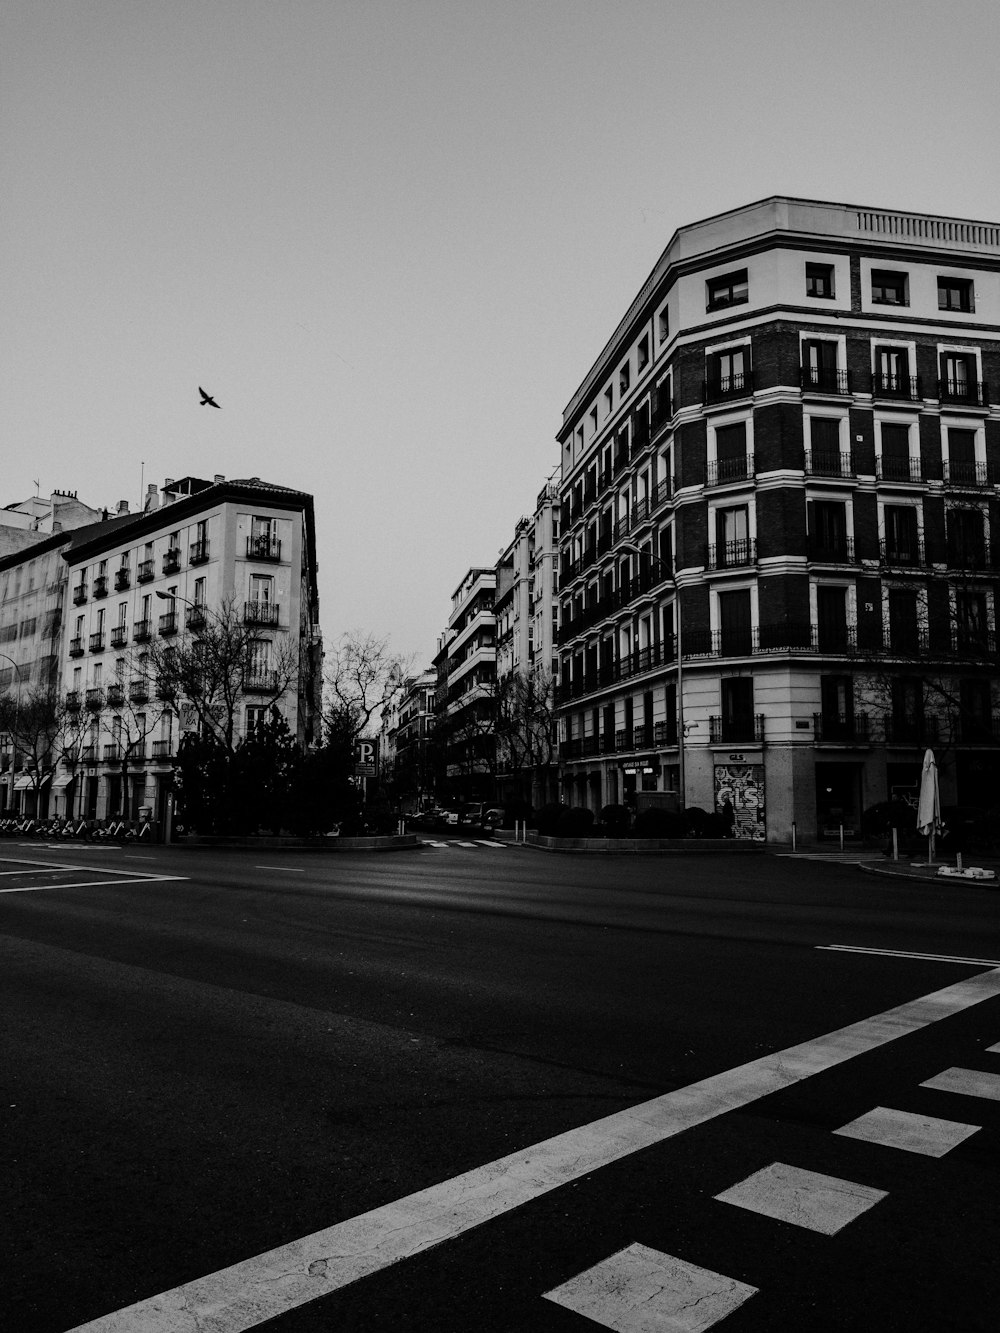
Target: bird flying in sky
[{"x": 206, "y": 399}]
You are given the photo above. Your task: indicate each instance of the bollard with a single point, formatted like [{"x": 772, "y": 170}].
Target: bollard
[
  {"x": 841, "y": 837},
  {"x": 895, "y": 844},
  {"x": 793, "y": 835}
]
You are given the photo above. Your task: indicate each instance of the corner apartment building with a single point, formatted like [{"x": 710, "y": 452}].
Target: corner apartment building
[
  {"x": 780, "y": 550},
  {"x": 196, "y": 548},
  {"x": 405, "y": 746},
  {"x": 465, "y": 673}
]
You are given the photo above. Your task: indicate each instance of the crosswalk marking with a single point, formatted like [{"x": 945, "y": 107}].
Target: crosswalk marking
[
  {"x": 806, "y": 1198},
  {"x": 640, "y": 1290},
  {"x": 249, "y": 1293},
  {"x": 968, "y": 1082},
  {"x": 926, "y": 1134}
]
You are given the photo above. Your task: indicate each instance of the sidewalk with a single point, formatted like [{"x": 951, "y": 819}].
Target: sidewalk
[{"x": 910, "y": 866}]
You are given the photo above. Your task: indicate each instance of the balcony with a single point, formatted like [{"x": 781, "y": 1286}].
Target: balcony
[
  {"x": 199, "y": 552},
  {"x": 841, "y": 729},
  {"x": 141, "y": 631},
  {"x": 664, "y": 491},
  {"x": 830, "y": 549},
  {"x": 123, "y": 579},
  {"x": 898, "y": 388},
  {"x": 195, "y": 618},
  {"x": 902, "y": 555},
  {"x": 260, "y": 613},
  {"x": 166, "y": 690},
  {"x": 738, "y": 730},
  {"x": 261, "y": 682},
  {"x": 76, "y": 648},
  {"x": 112, "y": 754},
  {"x": 79, "y": 594},
  {"x": 94, "y": 699},
  {"x": 116, "y": 696},
  {"x": 983, "y": 730},
  {"x": 829, "y": 463},
  {"x": 718, "y": 643},
  {"x": 975, "y": 643},
  {"x": 919, "y": 731},
  {"x": 966, "y": 476},
  {"x": 168, "y": 624},
  {"x": 101, "y": 586},
  {"x": 89, "y": 754},
  {"x": 898, "y": 469},
  {"x": 138, "y": 691},
  {"x": 971, "y": 556},
  {"x": 727, "y": 387},
  {"x": 97, "y": 642},
  {"x": 73, "y": 701},
  {"x": 144, "y": 571},
  {"x": 264, "y": 548},
  {"x": 735, "y": 554},
  {"x": 119, "y": 636},
  {"x": 162, "y": 749},
  {"x": 727, "y": 471},
  {"x": 823, "y": 380},
  {"x": 172, "y": 560},
  {"x": 968, "y": 393}
]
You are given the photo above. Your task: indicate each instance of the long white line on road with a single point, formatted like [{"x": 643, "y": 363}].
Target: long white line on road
[
  {"x": 121, "y": 878},
  {"x": 902, "y": 953},
  {"x": 289, "y": 870},
  {"x": 270, "y": 1284}
]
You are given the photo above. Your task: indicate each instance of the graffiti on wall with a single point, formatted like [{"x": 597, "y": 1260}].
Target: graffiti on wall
[{"x": 739, "y": 798}]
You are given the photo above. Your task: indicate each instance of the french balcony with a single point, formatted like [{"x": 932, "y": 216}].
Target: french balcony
[
  {"x": 971, "y": 557},
  {"x": 898, "y": 388},
  {"x": 199, "y": 552},
  {"x": 824, "y": 380},
  {"x": 665, "y": 733},
  {"x": 735, "y": 554},
  {"x": 898, "y": 469},
  {"x": 79, "y": 594},
  {"x": 975, "y": 643},
  {"x": 101, "y": 586},
  {"x": 728, "y": 471},
  {"x": 841, "y": 728},
  {"x": 829, "y": 463},
  {"x": 112, "y": 754},
  {"x": 735, "y": 642},
  {"x": 115, "y": 696},
  {"x": 663, "y": 410},
  {"x": 162, "y": 749},
  {"x": 727, "y": 387},
  {"x": 123, "y": 579},
  {"x": 982, "y": 730},
  {"x": 172, "y": 560},
  {"x": 664, "y": 491},
  {"x": 76, "y": 648},
  {"x": 119, "y": 636},
  {"x": 260, "y": 613},
  {"x": 141, "y": 631},
  {"x": 166, "y": 690},
  {"x": 966, "y": 476},
  {"x": 968, "y": 393},
  {"x": 145, "y": 571},
  {"x": 919, "y": 731},
  {"x": 195, "y": 618},
  {"x": 94, "y": 699},
  {"x": 260, "y": 682},
  {"x": 902, "y": 555},
  {"x": 138, "y": 691},
  {"x": 264, "y": 548},
  {"x": 830, "y": 550},
  {"x": 73, "y": 701},
  {"x": 88, "y": 755},
  {"x": 168, "y": 624},
  {"x": 97, "y": 642},
  {"x": 747, "y": 729}
]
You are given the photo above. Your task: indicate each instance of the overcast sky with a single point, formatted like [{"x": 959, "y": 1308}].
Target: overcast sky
[{"x": 391, "y": 238}]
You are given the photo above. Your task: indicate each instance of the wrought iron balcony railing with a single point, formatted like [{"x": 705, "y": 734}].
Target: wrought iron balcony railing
[
  {"x": 144, "y": 571},
  {"x": 902, "y": 554},
  {"x": 123, "y": 578},
  {"x": 260, "y": 613},
  {"x": 263, "y": 548},
  {"x": 829, "y": 463},
  {"x": 734, "y": 554},
  {"x": 168, "y": 623},
  {"x": 739, "y": 730},
  {"x": 726, "y": 471},
  {"x": 966, "y": 476},
  {"x": 819, "y": 379},
  {"x": 728, "y": 386},
  {"x": 101, "y": 586},
  {"x": 975, "y": 393},
  {"x": 841, "y": 728},
  {"x": 141, "y": 631},
  {"x": 97, "y": 642},
  {"x": 199, "y": 552},
  {"x": 898, "y": 469},
  {"x": 76, "y": 648},
  {"x": 905, "y": 388}
]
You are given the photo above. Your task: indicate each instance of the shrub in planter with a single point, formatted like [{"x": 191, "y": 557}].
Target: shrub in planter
[
  {"x": 549, "y": 817},
  {"x": 696, "y": 821},
  {"x": 658, "y": 824},
  {"x": 577, "y": 822},
  {"x": 615, "y": 821}
]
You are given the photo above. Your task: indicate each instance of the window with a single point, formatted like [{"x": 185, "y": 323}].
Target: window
[
  {"x": 642, "y": 354},
  {"x": 257, "y": 716},
  {"x": 837, "y": 703},
  {"x": 904, "y": 622},
  {"x": 728, "y": 374},
  {"x": 819, "y": 280},
  {"x": 199, "y": 592},
  {"x": 958, "y": 377},
  {"x": 827, "y": 529},
  {"x": 831, "y": 618},
  {"x": 624, "y": 378},
  {"x": 737, "y": 708},
  {"x": 732, "y": 536},
  {"x": 819, "y": 366},
  {"x": 955, "y": 294},
  {"x": 733, "y": 462},
  {"x": 889, "y": 288},
  {"x": 735, "y": 634},
  {"x": 730, "y": 289},
  {"x": 961, "y": 468},
  {"x": 966, "y": 538},
  {"x": 824, "y": 439},
  {"x": 894, "y": 463},
  {"x": 972, "y": 621},
  {"x": 663, "y": 325},
  {"x": 907, "y": 708},
  {"x": 609, "y": 400},
  {"x": 902, "y": 535}
]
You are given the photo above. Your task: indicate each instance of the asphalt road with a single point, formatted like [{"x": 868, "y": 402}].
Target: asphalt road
[{"x": 207, "y": 1056}]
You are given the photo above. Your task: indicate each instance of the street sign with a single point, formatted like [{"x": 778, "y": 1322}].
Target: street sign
[{"x": 364, "y": 758}]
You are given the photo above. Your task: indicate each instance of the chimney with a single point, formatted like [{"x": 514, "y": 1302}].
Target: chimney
[
  {"x": 152, "y": 498},
  {"x": 219, "y": 477},
  {"x": 122, "y": 507}
]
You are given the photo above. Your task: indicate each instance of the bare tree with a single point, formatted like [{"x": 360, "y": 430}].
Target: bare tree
[
  {"x": 32, "y": 719},
  {"x": 363, "y": 679},
  {"x": 525, "y": 717}
]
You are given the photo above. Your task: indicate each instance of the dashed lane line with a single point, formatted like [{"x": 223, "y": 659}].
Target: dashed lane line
[{"x": 248, "y": 1294}]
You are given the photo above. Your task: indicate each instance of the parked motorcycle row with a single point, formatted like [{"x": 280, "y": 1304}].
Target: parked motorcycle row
[{"x": 79, "y": 830}]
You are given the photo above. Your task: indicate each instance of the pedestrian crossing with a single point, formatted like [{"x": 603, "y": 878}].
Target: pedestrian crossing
[
  {"x": 461, "y": 842},
  {"x": 640, "y": 1288}
]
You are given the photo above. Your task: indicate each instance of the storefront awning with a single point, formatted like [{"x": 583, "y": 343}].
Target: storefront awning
[
  {"x": 62, "y": 780},
  {"x": 27, "y": 781}
]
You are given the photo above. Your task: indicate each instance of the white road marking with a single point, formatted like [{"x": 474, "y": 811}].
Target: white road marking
[
  {"x": 459, "y": 843},
  {"x": 967, "y": 1082},
  {"x": 101, "y": 846},
  {"x": 489, "y": 842},
  {"x": 925, "y": 1134},
  {"x": 994, "y": 1050},
  {"x": 289, "y": 870},
  {"x": 640, "y": 1290},
  {"x": 902, "y": 953},
  {"x": 806, "y": 1198},
  {"x": 95, "y": 883},
  {"x": 270, "y": 1284}
]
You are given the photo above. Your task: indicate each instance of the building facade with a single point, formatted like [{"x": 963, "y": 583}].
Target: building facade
[
  {"x": 465, "y": 690},
  {"x": 406, "y": 743},
  {"x": 200, "y": 550},
  {"x": 780, "y": 543}
]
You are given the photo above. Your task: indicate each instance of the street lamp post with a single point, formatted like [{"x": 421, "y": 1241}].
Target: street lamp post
[{"x": 630, "y": 546}]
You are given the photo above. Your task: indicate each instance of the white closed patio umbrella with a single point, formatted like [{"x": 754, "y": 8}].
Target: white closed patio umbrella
[{"x": 929, "y": 803}]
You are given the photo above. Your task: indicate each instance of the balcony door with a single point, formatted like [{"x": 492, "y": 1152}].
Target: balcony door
[
  {"x": 901, "y": 534},
  {"x": 831, "y": 616},
  {"x": 837, "y": 704},
  {"x": 737, "y": 709},
  {"x": 735, "y": 636},
  {"x": 904, "y": 624},
  {"x": 731, "y": 452}
]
